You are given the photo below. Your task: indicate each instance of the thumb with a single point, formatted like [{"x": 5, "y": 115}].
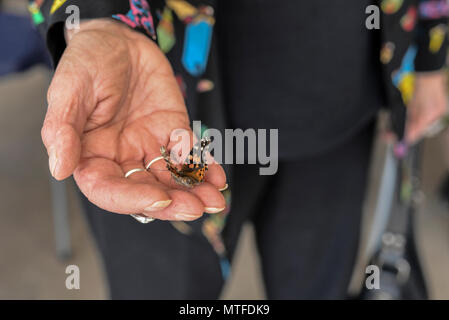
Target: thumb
[
  {"x": 64, "y": 150},
  {"x": 63, "y": 125}
]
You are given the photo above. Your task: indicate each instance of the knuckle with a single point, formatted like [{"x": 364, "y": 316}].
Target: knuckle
[
  {"x": 53, "y": 91},
  {"x": 46, "y": 133},
  {"x": 64, "y": 88}
]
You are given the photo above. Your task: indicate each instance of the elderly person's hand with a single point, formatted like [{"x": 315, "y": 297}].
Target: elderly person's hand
[
  {"x": 113, "y": 102},
  {"x": 429, "y": 103}
]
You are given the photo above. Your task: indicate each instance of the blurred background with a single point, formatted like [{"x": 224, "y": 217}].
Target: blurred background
[{"x": 38, "y": 239}]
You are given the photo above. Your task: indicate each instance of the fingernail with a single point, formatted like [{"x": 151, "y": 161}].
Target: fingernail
[
  {"x": 53, "y": 161},
  {"x": 184, "y": 217},
  {"x": 158, "y": 205},
  {"x": 213, "y": 210},
  {"x": 224, "y": 188}
]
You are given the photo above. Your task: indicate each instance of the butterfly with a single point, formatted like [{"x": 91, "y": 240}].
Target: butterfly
[{"x": 193, "y": 170}]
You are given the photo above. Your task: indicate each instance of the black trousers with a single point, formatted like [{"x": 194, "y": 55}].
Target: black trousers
[{"x": 307, "y": 220}]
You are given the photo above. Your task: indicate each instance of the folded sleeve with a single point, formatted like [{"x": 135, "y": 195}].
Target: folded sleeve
[
  {"x": 431, "y": 35},
  {"x": 50, "y": 16}
]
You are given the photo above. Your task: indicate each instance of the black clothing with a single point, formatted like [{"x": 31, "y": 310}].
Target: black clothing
[
  {"x": 306, "y": 219},
  {"x": 298, "y": 73}
]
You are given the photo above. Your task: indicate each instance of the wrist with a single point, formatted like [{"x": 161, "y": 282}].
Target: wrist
[
  {"x": 437, "y": 75},
  {"x": 433, "y": 79}
]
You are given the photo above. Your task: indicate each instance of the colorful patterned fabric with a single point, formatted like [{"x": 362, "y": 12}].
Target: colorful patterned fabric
[
  {"x": 414, "y": 39},
  {"x": 138, "y": 16}
]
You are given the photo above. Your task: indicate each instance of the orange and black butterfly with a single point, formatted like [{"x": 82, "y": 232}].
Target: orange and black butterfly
[{"x": 194, "y": 169}]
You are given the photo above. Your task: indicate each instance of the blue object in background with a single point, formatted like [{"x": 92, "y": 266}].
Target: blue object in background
[
  {"x": 197, "y": 40},
  {"x": 407, "y": 65},
  {"x": 21, "y": 46}
]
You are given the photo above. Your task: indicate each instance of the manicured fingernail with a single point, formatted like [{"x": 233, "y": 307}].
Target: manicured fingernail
[
  {"x": 185, "y": 217},
  {"x": 53, "y": 161},
  {"x": 224, "y": 188},
  {"x": 158, "y": 205},
  {"x": 213, "y": 210}
]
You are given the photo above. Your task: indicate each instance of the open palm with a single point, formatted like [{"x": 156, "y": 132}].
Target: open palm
[{"x": 113, "y": 102}]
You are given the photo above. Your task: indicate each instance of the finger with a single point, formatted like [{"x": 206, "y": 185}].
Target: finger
[
  {"x": 65, "y": 119},
  {"x": 215, "y": 173},
  {"x": 181, "y": 149},
  {"x": 181, "y": 206},
  {"x": 103, "y": 182},
  {"x": 412, "y": 132},
  {"x": 63, "y": 147},
  {"x": 135, "y": 170},
  {"x": 208, "y": 193},
  {"x": 185, "y": 206},
  {"x": 419, "y": 125},
  {"x": 216, "y": 176},
  {"x": 212, "y": 199},
  {"x": 175, "y": 210},
  {"x": 157, "y": 165}
]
